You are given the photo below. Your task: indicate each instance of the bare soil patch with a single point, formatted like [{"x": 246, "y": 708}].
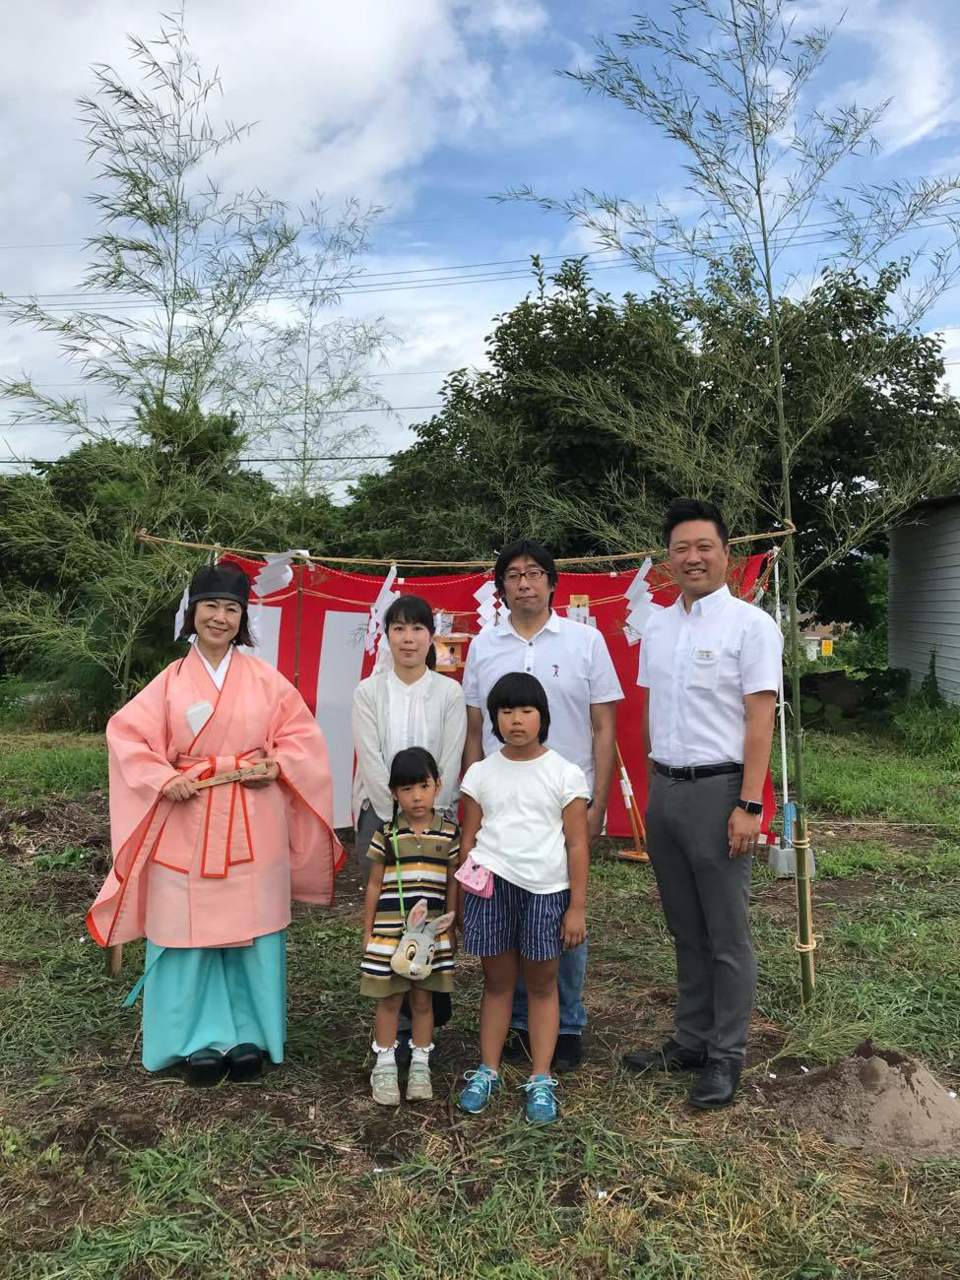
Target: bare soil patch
[
  {"x": 873, "y": 1101},
  {"x": 47, "y": 831},
  {"x": 898, "y": 835},
  {"x": 91, "y": 1131},
  {"x": 778, "y": 901}
]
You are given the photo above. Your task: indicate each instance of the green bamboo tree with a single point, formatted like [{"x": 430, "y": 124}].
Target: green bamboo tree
[{"x": 728, "y": 81}]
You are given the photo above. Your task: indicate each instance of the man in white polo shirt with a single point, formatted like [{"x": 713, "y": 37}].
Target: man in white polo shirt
[
  {"x": 572, "y": 663},
  {"x": 712, "y": 667}
]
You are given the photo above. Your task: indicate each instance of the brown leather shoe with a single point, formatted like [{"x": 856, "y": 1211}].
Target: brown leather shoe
[{"x": 669, "y": 1057}]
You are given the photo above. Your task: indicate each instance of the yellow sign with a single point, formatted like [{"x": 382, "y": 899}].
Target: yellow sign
[{"x": 826, "y": 648}]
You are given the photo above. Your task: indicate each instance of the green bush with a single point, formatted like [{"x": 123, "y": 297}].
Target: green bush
[
  {"x": 927, "y": 730},
  {"x": 38, "y": 706}
]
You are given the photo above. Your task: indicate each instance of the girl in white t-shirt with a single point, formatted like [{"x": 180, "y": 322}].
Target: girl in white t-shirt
[{"x": 524, "y": 821}]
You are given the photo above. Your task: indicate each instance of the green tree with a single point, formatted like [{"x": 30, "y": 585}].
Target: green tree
[
  {"x": 577, "y": 428},
  {"x": 176, "y": 339},
  {"x": 306, "y": 407},
  {"x": 727, "y": 81},
  {"x": 474, "y": 476},
  {"x": 191, "y": 264},
  {"x": 81, "y": 600}
]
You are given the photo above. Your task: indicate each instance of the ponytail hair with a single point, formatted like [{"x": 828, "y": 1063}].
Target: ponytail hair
[{"x": 410, "y": 608}]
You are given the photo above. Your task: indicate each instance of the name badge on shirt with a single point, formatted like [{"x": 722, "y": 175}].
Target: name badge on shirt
[
  {"x": 197, "y": 716},
  {"x": 704, "y": 655}
]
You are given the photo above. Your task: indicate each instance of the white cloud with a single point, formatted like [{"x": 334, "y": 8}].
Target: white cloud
[
  {"x": 512, "y": 19},
  {"x": 347, "y": 99},
  {"x": 951, "y": 356},
  {"x": 911, "y": 64}
]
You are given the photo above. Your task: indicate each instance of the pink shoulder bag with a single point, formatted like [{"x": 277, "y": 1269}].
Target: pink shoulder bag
[{"x": 474, "y": 878}]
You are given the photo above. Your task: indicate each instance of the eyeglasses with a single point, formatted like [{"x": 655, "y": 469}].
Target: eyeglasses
[{"x": 531, "y": 575}]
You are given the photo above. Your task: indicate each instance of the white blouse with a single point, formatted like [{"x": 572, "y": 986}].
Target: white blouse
[
  {"x": 406, "y": 722},
  {"x": 388, "y": 716}
]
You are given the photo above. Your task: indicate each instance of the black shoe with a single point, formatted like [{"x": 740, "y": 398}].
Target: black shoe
[
  {"x": 568, "y": 1054},
  {"x": 244, "y": 1062},
  {"x": 716, "y": 1084},
  {"x": 517, "y": 1047},
  {"x": 442, "y": 1008},
  {"x": 669, "y": 1057},
  {"x": 206, "y": 1067},
  {"x": 402, "y": 1052}
]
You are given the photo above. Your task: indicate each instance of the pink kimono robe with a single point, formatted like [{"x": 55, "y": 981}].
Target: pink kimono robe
[{"x": 221, "y": 868}]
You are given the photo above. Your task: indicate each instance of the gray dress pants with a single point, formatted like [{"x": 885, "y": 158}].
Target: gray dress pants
[{"x": 706, "y": 901}]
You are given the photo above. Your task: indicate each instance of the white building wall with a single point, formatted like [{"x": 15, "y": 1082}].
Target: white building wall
[{"x": 924, "y": 609}]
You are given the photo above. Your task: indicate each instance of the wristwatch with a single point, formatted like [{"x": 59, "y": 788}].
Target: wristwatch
[{"x": 751, "y": 806}]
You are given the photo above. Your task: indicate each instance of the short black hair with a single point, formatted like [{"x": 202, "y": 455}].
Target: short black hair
[
  {"x": 681, "y": 510},
  {"x": 243, "y": 636},
  {"x": 525, "y": 547},
  {"x": 518, "y": 689},
  {"x": 411, "y": 608},
  {"x": 412, "y": 765}
]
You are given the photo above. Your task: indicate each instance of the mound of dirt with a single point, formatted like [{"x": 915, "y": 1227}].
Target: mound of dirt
[
  {"x": 48, "y": 828},
  {"x": 874, "y": 1101}
]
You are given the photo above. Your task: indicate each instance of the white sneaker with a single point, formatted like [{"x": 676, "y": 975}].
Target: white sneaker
[
  {"x": 419, "y": 1087},
  {"x": 386, "y": 1086}
]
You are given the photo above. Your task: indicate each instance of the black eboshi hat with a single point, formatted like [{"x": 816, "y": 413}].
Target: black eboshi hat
[{"x": 219, "y": 582}]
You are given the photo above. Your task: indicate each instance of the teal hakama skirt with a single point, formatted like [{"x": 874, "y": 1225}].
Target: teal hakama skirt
[{"x": 213, "y": 998}]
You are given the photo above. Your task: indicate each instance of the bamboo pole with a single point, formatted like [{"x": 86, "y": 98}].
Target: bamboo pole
[
  {"x": 805, "y": 943},
  {"x": 638, "y": 853},
  {"x": 781, "y": 701},
  {"x": 299, "y": 570}
]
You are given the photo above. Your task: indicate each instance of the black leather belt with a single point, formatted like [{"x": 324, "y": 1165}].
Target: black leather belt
[{"x": 691, "y": 772}]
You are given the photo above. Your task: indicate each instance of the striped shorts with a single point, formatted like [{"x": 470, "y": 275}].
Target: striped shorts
[{"x": 514, "y": 919}]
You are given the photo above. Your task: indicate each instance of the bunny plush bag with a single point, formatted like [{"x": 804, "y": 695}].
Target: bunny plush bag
[{"x": 425, "y": 862}]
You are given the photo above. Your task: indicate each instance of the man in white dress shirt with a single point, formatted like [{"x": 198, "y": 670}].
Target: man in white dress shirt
[
  {"x": 571, "y": 661},
  {"x": 712, "y": 667}
]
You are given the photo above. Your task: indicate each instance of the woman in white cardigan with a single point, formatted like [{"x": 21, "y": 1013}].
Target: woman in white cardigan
[{"x": 408, "y": 706}]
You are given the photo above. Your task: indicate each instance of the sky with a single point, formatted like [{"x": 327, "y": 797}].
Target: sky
[{"x": 426, "y": 108}]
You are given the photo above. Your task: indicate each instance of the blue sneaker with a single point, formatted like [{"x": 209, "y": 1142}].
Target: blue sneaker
[
  {"x": 541, "y": 1102},
  {"x": 482, "y": 1084}
]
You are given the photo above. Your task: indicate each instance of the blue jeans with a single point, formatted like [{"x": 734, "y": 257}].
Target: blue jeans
[{"x": 570, "y": 980}]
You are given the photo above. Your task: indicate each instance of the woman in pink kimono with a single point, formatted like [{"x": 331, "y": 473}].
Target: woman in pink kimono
[{"x": 206, "y": 874}]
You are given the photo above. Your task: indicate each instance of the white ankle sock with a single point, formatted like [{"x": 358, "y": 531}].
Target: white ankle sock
[
  {"x": 421, "y": 1055},
  {"x": 385, "y": 1057}
]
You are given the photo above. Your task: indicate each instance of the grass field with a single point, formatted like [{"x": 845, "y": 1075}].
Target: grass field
[{"x": 108, "y": 1173}]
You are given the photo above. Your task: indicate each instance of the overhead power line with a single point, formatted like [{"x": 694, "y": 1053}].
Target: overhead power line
[
  {"x": 260, "y": 417},
  {"x": 390, "y": 373},
  {"x": 805, "y": 235},
  {"x": 332, "y": 457}
]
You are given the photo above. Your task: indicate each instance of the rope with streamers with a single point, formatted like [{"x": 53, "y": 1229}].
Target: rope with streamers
[{"x": 619, "y": 558}]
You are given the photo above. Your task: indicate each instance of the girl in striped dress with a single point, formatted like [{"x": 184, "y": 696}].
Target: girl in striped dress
[{"x": 412, "y": 857}]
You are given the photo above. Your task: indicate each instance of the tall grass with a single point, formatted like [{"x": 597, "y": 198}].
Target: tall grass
[
  {"x": 929, "y": 731},
  {"x": 862, "y": 774},
  {"x": 40, "y": 766}
]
